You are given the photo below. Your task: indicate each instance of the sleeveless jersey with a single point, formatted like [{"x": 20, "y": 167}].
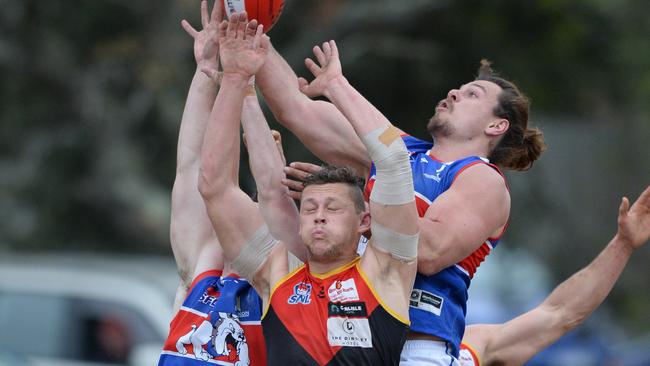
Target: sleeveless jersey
[
  {"x": 468, "y": 357},
  {"x": 331, "y": 319},
  {"x": 218, "y": 323},
  {"x": 438, "y": 302}
]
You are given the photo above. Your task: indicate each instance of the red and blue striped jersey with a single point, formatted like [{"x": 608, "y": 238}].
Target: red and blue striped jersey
[
  {"x": 438, "y": 302},
  {"x": 218, "y": 324}
]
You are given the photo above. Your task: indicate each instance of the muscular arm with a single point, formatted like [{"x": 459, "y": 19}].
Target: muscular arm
[
  {"x": 234, "y": 215},
  {"x": 364, "y": 118},
  {"x": 276, "y": 206},
  {"x": 459, "y": 221},
  {"x": 393, "y": 216},
  {"x": 517, "y": 340},
  {"x": 193, "y": 241},
  {"x": 334, "y": 141}
]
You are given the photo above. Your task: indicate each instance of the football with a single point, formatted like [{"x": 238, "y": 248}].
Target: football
[{"x": 267, "y": 12}]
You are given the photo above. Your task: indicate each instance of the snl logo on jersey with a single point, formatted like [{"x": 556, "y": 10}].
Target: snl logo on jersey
[{"x": 301, "y": 294}]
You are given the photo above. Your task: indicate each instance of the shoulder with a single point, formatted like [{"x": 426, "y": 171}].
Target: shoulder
[
  {"x": 477, "y": 165},
  {"x": 477, "y": 174}
]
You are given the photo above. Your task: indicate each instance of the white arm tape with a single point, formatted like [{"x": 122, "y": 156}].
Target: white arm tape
[
  {"x": 254, "y": 253},
  {"x": 394, "y": 179},
  {"x": 402, "y": 247}
]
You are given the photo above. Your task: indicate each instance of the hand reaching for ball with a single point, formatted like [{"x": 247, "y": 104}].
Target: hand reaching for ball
[{"x": 325, "y": 71}]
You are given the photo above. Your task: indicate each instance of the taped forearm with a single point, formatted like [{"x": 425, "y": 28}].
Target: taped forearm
[
  {"x": 394, "y": 179},
  {"x": 402, "y": 247},
  {"x": 254, "y": 253}
]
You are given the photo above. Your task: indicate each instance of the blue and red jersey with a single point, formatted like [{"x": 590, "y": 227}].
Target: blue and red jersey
[
  {"x": 438, "y": 302},
  {"x": 218, "y": 323}
]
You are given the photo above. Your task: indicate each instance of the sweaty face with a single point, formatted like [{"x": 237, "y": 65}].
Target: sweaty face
[
  {"x": 329, "y": 223},
  {"x": 465, "y": 112}
]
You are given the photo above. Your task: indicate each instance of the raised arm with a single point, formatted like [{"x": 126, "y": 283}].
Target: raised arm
[
  {"x": 193, "y": 241},
  {"x": 390, "y": 257},
  {"x": 516, "y": 341},
  {"x": 334, "y": 141},
  {"x": 233, "y": 214},
  {"x": 236, "y": 219},
  {"x": 266, "y": 162}
]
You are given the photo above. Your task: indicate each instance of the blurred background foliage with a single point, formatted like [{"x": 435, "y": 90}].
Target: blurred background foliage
[{"x": 92, "y": 94}]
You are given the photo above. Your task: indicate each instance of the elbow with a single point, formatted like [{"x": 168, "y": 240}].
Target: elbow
[
  {"x": 208, "y": 184},
  {"x": 293, "y": 112},
  {"x": 428, "y": 263},
  {"x": 571, "y": 322},
  {"x": 565, "y": 319},
  {"x": 427, "y": 267}
]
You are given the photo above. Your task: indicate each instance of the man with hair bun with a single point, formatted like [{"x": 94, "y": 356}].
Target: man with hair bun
[{"x": 461, "y": 195}]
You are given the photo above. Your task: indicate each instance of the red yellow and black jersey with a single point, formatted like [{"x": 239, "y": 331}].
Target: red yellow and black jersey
[{"x": 331, "y": 319}]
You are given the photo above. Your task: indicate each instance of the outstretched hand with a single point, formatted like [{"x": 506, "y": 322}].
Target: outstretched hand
[
  {"x": 243, "y": 46},
  {"x": 634, "y": 222},
  {"x": 327, "y": 69},
  {"x": 299, "y": 172},
  {"x": 206, "y": 41}
]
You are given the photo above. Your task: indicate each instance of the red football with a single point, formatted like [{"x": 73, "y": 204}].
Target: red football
[{"x": 267, "y": 12}]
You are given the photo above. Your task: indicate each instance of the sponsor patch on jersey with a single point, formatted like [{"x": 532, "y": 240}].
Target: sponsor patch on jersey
[
  {"x": 347, "y": 332},
  {"x": 341, "y": 291},
  {"x": 426, "y": 301},
  {"x": 301, "y": 294},
  {"x": 347, "y": 309},
  {"x": 209, "y": 296}
]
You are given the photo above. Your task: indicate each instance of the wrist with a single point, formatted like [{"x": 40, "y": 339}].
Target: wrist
[
  {"x": 205, "y": 82},
  {"x": 625, "y": 244},
  {"x": 333, "y": 85},
  {"x": 235, "y": 78},
  {"x": 207, "y": 65}
]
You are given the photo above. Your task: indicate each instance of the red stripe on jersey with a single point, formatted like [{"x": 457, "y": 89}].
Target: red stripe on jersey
[
  {"x": 474, "y": 260},
  {"x": 369, "y": 185},
  {"x": 208, "y": 273},
  {"x": 421, "y": 205},
  {"x": 181, "y": 325}
]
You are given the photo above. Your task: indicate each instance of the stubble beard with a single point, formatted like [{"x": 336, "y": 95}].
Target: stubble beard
[
  {"x": 333, "y": 253},
  {"x": 439, "y": 127}
]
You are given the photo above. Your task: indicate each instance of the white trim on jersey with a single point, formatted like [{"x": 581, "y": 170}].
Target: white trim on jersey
[
  {"x": 422, "y": 197},
  {"x": 462, "y": 269},
  {"x": 191, "y": 356},
  {"x": 251, "y": 322}
]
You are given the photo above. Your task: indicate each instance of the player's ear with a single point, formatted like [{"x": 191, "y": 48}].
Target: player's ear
[
  {"x": 364, "y": 225},
  {"x": 497, "y": 127}
]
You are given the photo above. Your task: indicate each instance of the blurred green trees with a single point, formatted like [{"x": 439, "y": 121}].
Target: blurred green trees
[{"x": 92, "y": 93}]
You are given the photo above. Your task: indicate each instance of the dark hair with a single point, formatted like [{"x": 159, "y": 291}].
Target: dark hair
[
  {"x": 340, "y": 174},
  {"x": 520, "y": 146}
]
